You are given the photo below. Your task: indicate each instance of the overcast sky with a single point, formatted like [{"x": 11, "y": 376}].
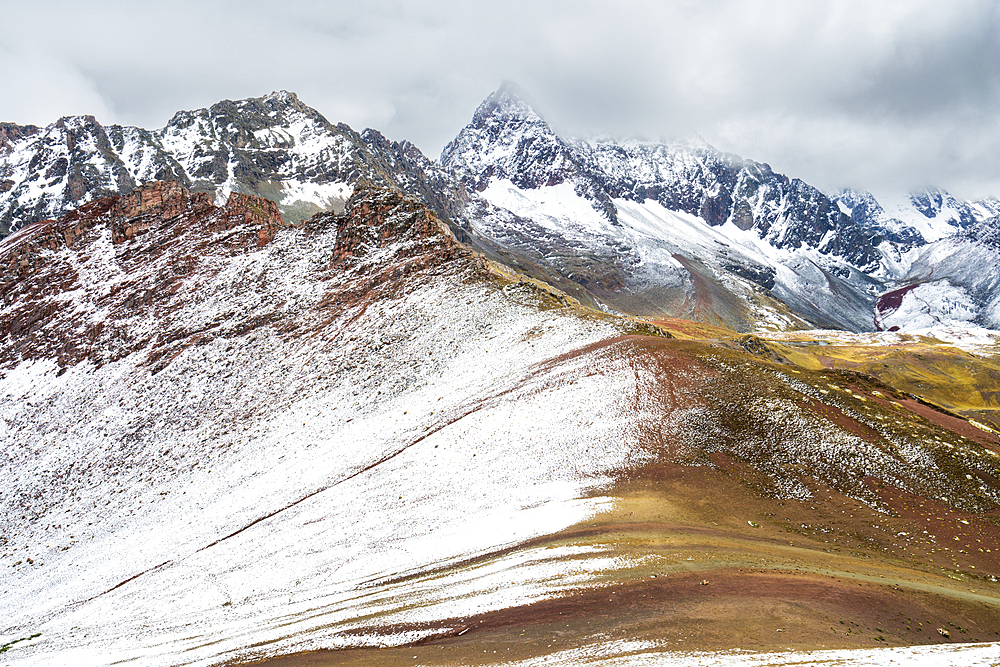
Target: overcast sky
[{"x": 889, "y": 96}]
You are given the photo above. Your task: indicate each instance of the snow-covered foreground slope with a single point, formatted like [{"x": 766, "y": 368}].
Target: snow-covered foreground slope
[
  {"x": 647, "y": 654},
  {"x": 257, "y": 491},
  {"x": 227, "y": 438},
  {"x": 287, "y": 474}
]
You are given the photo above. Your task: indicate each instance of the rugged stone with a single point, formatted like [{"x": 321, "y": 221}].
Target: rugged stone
[
  {"x": 156, "y": 236},
  {"x": 135, "y": 212},
  {"x": 378, "y": 217},
  {"x": 11, "y": 133},
  {"x": 252, "y": 211}
]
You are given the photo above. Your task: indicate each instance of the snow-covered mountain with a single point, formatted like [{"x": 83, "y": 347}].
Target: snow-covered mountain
[
  {"x": 45, "y": 172},
  {"x": 943, "y": 253},
  {"x": 921, "y": 218},
  {"x": 507, "y": 140},
  {"x": 636, "y": 227},
  {"x": 687, "y": 230},
  {"x": 227, "y": 437},
  {"x": 667, "y": 229},
  {"x": 273, "y": 146},
  {"x": 415, "y": 419}
]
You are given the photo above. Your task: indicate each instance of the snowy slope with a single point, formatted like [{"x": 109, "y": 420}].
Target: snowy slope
[
  {"x": 279, "y": 439},
  {"x": 952, "y": 281},
  {"x": 297, "y": 527},
  {"x": 226, "y": 437},
  {"x": 649, "y": 245}
]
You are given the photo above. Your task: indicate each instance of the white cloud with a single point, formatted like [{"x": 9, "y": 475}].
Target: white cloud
[
  {"x": 38, "y": 90},
  {"x": 884, "y": 95}
]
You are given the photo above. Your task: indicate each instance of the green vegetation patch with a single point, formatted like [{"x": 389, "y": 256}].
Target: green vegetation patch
[{"x": 6, "y": 647}]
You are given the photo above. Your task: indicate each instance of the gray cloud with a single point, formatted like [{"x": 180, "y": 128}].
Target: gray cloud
[{"x": 888, "y": 96}]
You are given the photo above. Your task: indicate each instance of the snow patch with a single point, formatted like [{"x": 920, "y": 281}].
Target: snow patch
[{"x": 933, "y": 304}]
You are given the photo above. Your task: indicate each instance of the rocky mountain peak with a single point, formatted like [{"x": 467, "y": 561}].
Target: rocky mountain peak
[
  {"x": 509, "y": 105},
  {"x": 237, "y": 122},
  {"x": 860, "y": 201},
  {"x": 508, "y": 140},
  {"x": 274, "y": 146},
  {"x": 11, "y": 133},
  {"x": 933, "y": 203},
  {"x": 378, "y": 217},
  {"x": 283, "y": 97}
]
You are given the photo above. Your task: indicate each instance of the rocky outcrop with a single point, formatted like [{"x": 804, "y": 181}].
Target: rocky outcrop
[
  {"x": 376, "y": 218},
  {"x": 144, "y": 207},
  {"x": 11, "y": 133},
  {"x": 161, "y": 202},
  {"x": 122, "y": 256},
  {"x": 253, "y": 212},
  {"x": 133, "y": 262}
]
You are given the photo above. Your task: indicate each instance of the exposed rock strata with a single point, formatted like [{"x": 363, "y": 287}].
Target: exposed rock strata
[{"x": 122, "y": 256}]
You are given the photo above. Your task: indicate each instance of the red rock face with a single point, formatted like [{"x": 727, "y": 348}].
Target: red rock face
[
  {"x": 158, "y": 204},
  {"x": 158, "y": 234},
  {"x": 122, "y": 274},
  {"x": 254, "y": 211},
  {"x": 889, "y": 303},
  {"x": 375, "y": 218},
  {"x": 164, "y": 200}
]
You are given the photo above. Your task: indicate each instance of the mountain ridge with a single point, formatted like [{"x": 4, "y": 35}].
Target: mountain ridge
[
  {"x": 827, "y": 258},
  {"x": 356, "y": 433},
  {"x": 826, "y": 265}
]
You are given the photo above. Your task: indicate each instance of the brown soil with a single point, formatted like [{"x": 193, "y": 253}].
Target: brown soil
[{"x": 954, "y": 424}]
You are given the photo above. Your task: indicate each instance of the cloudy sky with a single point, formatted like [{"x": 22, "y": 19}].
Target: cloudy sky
[{"x": 890, "y": 96}]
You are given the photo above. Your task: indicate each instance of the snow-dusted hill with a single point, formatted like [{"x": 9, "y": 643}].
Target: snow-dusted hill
[
  {"x": 213, "y": 439},
  {"x": 226, "y": 437},
  {"x": 234, "y": 430}
]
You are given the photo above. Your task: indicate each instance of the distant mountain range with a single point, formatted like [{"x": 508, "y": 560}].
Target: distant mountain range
[{"x": 641, "y": 228}]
